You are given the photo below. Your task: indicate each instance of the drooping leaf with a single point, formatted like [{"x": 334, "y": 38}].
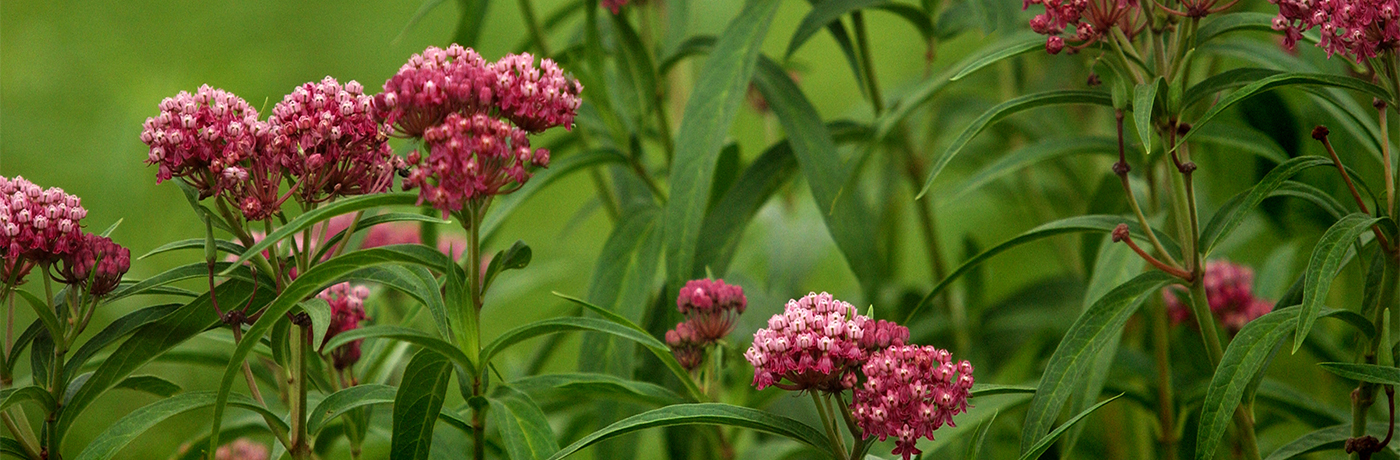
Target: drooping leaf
[
  {"x": 1144, "y": 96},
  {"x": 704, "y": 414},
  {"x": 1364, "y": 372},
  {"x": 126, "y": 429},
  {"x": 1236, "y": 209},
  {"x": 661, "y": 352},
  {"x": 1332, "y": 438},
  {"x": 1100, "y": 323},
  {"x": 524, "y": 429},
  {"x": 1077, "y": 224},
  {"x": 404, "y": 334},
  {"x": 343, "y": 206},
  {"x": 32, "y": 393},
  {"x": 195, "y": 243},
  {"x": 117, "y": 330},
  {"x": 1044, "y": 443},
  {"x": 1326, "y": 261},
  {"x": 719, "y": 89},
  {"x": 592, "y": 385},
  {"x": 362, "y": 395},
  {"x": 1029, "y": 155},
  {"x": 824, "y": 12},
  {"x": 846, "y": 215},
  {"x": 417, "y": 404},
  {"x": 1006, "y": 109},
  {"x": 1282, "y": 80}
]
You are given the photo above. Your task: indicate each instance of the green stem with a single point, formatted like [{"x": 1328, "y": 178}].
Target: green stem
[
  {"x": 837, "y": 450},
  {"x": 300, "y": 447},
  {"x": 867, "y": 63},
  {"x": 474, "y": 212},
  {"x": 23, "y": 435},
  {"x": 1161, "y": 344},
  {"x": 536, "y": 32}
]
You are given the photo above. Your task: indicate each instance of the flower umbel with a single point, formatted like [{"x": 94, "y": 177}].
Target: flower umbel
[
  {"x": 1360, "y": 29},
  {"x": 710, "y": 307},
  {"x": 909, "y": 392},
  {"x": 818, "y": 343},
  {"x": 97, "y": 265},
  {"x": 1084, "y": 22},
  {"x": 347, "y": 311},
  {"x": 1229, "y": 292},
  {"x": 330, "y": 142},
  {"x": 41, "y": 225},
  {"x": 196, "y": 136},
  {"x": 472, "y": 157}
]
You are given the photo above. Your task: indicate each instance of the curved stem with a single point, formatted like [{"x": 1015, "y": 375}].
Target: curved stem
[{"x": 867, "y": 62}]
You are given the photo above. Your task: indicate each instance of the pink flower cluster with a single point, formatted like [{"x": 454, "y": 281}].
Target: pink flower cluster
[
  {"x": 1084, "y": 21},
  {"x": 324, "y": 138},
  {"x": 471, "y": 157},
  {"x": 1229, "y": 292},
  {"x": 909, "y": 392},
  {"x": 327, "y": 135},
  {"x": 711, "y": 308},
  {"x": 1358, "y": 28},
  {"x": 97, "y": 265},
  {"x": 241, "y": 449},
  {"x": 818, "y": 343},
  {"x": 347, "y": 311},
  {"x": 41, "y": 225},
  {"x": 474, "y": 118},
  {"x": 196, "y": 136}
]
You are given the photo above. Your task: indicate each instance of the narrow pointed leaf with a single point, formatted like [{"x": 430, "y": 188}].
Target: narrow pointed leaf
[
  {"x": 719, "y": 89},
  {"x": 1006, "y": 109},
  {"x": 404, "y": 334},
  {"x": 1079, "y": 349},
  {"x": 1282, "y": 80},
  {"x": 1365, "y": 372},
  {"x": 595, "y": 385},
  {"x": 123, "y": 431},
  {"x": 1234, "y": 211},
  {"x": 661, "y": 352},
  {"x": 1244, "y": 358},
  {"x": 1332, "y": 438},
  {"x": 824, "y": 12},
  {"x": 363, "y": 395},
  {"x": 1323, "y": 266},
  {"x": 704, "y": 414},
  {"x": 1044, "y": 444},
  {"x": 325, "y": 212},
  {"x": 1144, "y": 96}
]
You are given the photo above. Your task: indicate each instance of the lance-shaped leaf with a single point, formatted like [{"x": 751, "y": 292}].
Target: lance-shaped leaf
[
  {"x": 719, "y": 89},
  {"x": 704, "y": 414},
  {"x": 325, "y": 212},
  {"x": 1332, "y": 438},
  {"x": 1006, "y": 109},
  {"x": 1326, "y": 261},
  {"x": 1364, "y": 372},
  {"x": 1282, "y": 80},
  {"x": 1044, "y": 443},
  {"x": 524, "y": 429},
  {"x": 593, "y": 385},
  {"x": 364, "y": 395},
  {"x": 1080, "y": 347},
  {"x": 1236, "y": 209},
  {"x": 1244, "y": 358},
  {"x": 126, "y": 429},
  {"x": 416, "y": 406}
]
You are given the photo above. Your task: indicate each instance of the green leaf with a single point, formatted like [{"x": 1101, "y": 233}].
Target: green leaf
[
  {"x": 704, "y": 414},
  {"x": 43, "y": 311},
  {"x": 153, "y": 340},
  {"x": 195, "y": 243},
  {"x": 1028, "y": 155},
  {"x": 404, "y": 334},
  {"x": 691, "y": 47},
  {"x": 1231, "y": 137},
  {"x": 308, "y": 284},
  {"x": 117, "y": 330},
  {"x": 150, "y": 384},
  {"x": 825, "y": 12},
  {"x": 502, "y": 207},
  {"x": 1044, "y": 443},
  {"x": 320, "y": 312},
  {"x": 1323, "y": 266},
  {"x": 419, "y": 399},
  {"x": 725, "y": 224},
  {"x": 25, "y": 338},
  {"x": 847, "y": 216},
  {"x": 32, "y": 393},
  {"x": 340, "y": 402},
  {"x": 123, "y": 431},
  {"x": 1077, "y": 224},
  {"x": 1236, "y": 209},
  {"x": 719, "y": 89},
  {"x": 1221, "y": 24},
  {"x": 180, "y": 273},
  {"x": 1006, "y": 109},
  {"x": 1144, "y": 96},
  {"x": 1079, "y": 349},
  {"x": 416, "y": 282},
  {"x": 1332, "y": 438},
  {"x": 984, "y": 389},
  {"x": 1227, "y": 80},
  {"x": 1244, "y": 358},
  {"x": 1281, "y": 80},
  {"x": 515, "y": 258},
  {"x": 980, "y": 439},
  {"x": 13, "y": 447},
  {"x": 1364, "y": 372},
  {"x": 658, "y": 349},
  {"x": 590, "y": 385},
  {"x": 1005, "y": 48},
  {"x": 325, "y": 212},
  {"x": 566, "y": 324},
  {"x": 524, "y": 429}
]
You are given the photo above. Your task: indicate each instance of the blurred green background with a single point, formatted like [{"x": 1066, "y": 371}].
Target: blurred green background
[{"x": 77, "y": 79}]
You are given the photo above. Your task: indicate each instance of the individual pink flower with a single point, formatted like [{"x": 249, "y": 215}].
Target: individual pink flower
[
  {"x": 347, "y": 312},
  {"x": 97, "y": 265},
  {"x": 241, "y": 449},
  {"x": 433, "y": 84},
  {"x": 1360, "y": 29},
  {"x": 686, "y": 345},
  {"x": 818, "y": 343},
  {"x": 471, "y": 157},
  {"x": 535, "y": 98},
  {"x": 327, "y": 138},
  {"x": 1085, "y": 22},
  {"x": 40, "y": 225},
  {"x": 909, "y": 392},
  {"x": 1229, "y": 293},
  {"x": 196, "y": 136}
]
